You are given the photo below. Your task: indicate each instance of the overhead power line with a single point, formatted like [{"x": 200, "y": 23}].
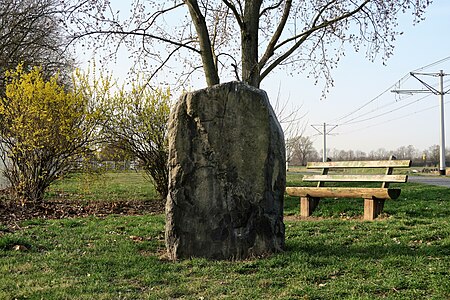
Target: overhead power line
[
  {"x": 395, "y": 85},
  {"x": 438, "y": 62},
  {"x": 383, "y": 113},
  {"x": 357, "y": 119},
  {"x": 393, "y": 119},
  {"x": 404, "y": 78}
]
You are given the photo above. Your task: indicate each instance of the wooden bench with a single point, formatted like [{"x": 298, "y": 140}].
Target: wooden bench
[{"x": 373, "y": 197}]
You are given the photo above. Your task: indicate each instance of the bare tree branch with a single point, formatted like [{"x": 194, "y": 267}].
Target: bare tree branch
[
  {"x": 125, "y": 33},
  {"x": 275, "y": 6},
  {"x": 286, "y": 30},
  {"x": 235, "y": 12},
  {"x": 304, "y": 36},
  {"x": 271, "y": 46}
]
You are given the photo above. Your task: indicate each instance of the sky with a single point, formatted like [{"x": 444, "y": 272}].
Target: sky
[
  {"x": 392, "y": 120},
  {"x": 361, "y": 109}
]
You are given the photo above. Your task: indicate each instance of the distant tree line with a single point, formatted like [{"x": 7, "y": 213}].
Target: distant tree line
[{"x": 300, "y": 150}]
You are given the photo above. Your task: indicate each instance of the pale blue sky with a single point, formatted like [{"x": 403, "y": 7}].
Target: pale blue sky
[{"x": 357, "y": 81}]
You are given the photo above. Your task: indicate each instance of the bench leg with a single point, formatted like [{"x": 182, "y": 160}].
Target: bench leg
[
  {"x": 372, "y": 208},
  {"x": 308, "y": 205},
  {"x": 380, "y": 206}
]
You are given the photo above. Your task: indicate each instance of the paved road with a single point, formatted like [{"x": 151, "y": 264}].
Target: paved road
[{"x": 432, "y": 180}]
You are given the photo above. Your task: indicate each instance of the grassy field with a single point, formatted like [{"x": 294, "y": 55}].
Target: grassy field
[
  {"x": 111, "y": 186},
  {"x": 403, "y": 255}
]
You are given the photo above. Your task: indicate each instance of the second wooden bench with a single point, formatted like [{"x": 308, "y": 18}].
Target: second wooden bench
[{"x": 373, "y": 197}]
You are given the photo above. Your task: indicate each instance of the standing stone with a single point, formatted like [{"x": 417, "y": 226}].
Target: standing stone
[{"x": 226, "y": 175}]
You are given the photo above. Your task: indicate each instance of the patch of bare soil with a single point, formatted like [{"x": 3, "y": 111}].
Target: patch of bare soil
[{"x": 13, "y": 212}]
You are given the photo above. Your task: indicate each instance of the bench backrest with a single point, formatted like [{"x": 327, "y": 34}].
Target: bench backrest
[{"x": 385, "y": 179}]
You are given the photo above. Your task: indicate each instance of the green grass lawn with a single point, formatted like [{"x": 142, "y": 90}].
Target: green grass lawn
[
  {"x": 403, "y": 255},
  {"x": 110, "y": 186}
]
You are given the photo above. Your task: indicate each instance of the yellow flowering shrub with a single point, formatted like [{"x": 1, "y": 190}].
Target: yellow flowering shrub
[
  {"x": 45, "y": 128},
  {"x": 138, "y": 123}
]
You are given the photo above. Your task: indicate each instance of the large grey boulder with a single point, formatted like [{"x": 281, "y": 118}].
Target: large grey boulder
[{"x": 226, "y": 175}]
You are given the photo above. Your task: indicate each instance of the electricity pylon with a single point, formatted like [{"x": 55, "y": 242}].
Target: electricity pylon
[
  {"x": 324, "y": 133},
  {"x": 441, "y": 94}
]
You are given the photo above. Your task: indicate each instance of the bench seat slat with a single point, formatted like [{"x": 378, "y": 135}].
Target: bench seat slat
[
  {"x": 340, "y": 192},
  {"x": 356, "y": 178},
  {"x": 360, "y": 164}
]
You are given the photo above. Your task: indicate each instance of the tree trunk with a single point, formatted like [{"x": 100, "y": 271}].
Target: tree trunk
[
  {"x": 249, "y": 42},
  {"x": 206, "y": 51}
]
